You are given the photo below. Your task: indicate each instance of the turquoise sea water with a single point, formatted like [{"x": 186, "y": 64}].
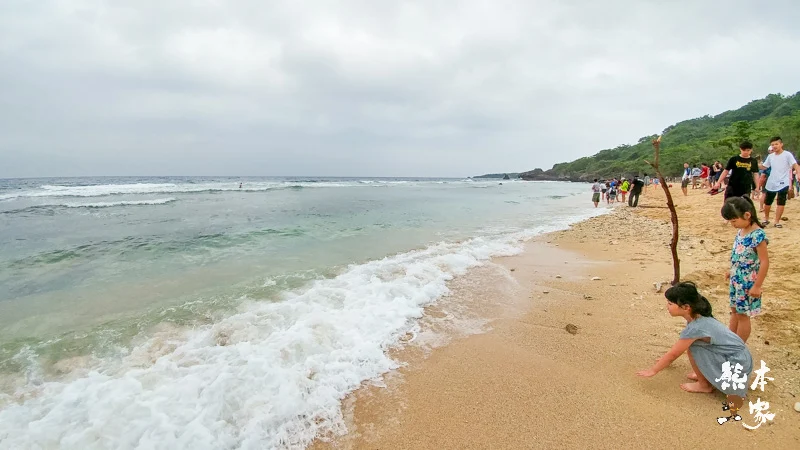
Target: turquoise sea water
[{"x": 189, "y": 312}]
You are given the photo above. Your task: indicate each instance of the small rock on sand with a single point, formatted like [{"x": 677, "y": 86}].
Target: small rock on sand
[
  {"x": 558, "y": 276},
  {"x": 658, "y": 286},
  {"x": 797, "y": 406},
  {"x": 587, "y": 297},
  {"x": 596, "y": 278},
  {"x": 545, "y": 292},
  {"x": 571, "y": 329}
]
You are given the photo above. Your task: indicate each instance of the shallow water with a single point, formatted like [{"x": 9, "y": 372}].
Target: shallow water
[{"x": 177, "y": 312}]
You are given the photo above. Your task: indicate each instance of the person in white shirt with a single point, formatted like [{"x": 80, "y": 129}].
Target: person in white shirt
[{"x": 779, "y": 181}]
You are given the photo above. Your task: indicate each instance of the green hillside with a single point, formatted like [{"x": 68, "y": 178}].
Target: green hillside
[{"x": 704, "y": 139}]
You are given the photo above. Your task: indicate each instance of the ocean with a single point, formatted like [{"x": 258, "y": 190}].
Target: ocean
[{"x": 190, "y": 312}]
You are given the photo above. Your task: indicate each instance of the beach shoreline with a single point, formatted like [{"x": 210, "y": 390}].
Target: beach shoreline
[{"x": 530, "y": 383}]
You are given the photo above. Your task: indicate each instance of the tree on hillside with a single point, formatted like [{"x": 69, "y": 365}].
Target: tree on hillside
[{"x": 742, "y": 130}]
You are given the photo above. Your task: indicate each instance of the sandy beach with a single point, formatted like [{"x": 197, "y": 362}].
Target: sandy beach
[{"x": 529, "y": 383}]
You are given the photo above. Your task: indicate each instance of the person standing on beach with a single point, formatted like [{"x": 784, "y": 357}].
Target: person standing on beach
[
  {"x": 717, "y": 172},
  {"x": 763, "y": 174},
  {"x": 686, "y": 178},
  {"x": 636, "y": 190},
  {"x": 712, "y": 175},
  {"x": 797, "y": 183},
  {"x": 779, "y": 180},
  {"x": 695, "y": 175},
  {"x": 626, "y": 186},
  {"x": 596, "y": 188},
  {"x": 705, "y": 171},
  {"x": 749, "y": 263},
  {"x": 611, "y": 197},
  {"x": 743, "y": 171}
]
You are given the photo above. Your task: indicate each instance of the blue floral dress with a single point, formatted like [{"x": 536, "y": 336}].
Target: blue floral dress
[{"x": 744, "y": 271}]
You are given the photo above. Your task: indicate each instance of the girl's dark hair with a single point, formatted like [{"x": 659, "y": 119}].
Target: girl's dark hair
[
  {"x": 685, "y": 293},
  {"x": 735, "y": 207}
]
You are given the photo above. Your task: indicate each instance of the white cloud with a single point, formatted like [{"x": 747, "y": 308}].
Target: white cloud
[{"x": 364, "y": 87}]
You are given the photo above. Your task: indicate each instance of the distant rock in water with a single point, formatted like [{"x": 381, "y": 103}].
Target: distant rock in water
[
  {"x": 549, "y": 175},
  {"x": 505, "y": 176}
]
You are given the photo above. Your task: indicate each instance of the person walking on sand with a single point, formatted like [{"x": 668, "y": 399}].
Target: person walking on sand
[
  {"x": 596, "y": 188},
  {"x": 779, "y": 180},
  {"x": 695, "y": 175},
  {"x": 626, "y": 186},
  {"x": 686, "y": 178},
  {"x": 717, "y": 172},
  {"x": 763, "y": 174},
  {"x": 749, "y": 263},
  {"x": 704, "y": 174},
  {"x": 712, "y": 175},
  {"x": 743, "y": 171},
  {"x": 708, "y": 344},
  {"x": 797, "y": 183},
  {"x": 636, "y": 190},
  {"x": 612, "y": 193}
]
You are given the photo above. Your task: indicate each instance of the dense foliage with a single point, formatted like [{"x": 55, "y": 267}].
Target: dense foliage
[{"x": 696, "y": 141}]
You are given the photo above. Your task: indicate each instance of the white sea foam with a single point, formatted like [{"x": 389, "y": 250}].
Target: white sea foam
[
  {"x": 157, "y": 201},
  {"x": 177, "y": 188},
  {"x": 271, "y": 375}
]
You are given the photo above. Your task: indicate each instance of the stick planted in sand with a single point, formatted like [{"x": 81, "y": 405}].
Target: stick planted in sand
[{"x": 676, "y": 262}]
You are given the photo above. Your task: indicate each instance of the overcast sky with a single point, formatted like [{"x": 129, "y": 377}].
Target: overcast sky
[{"x": 371, "y": 87}]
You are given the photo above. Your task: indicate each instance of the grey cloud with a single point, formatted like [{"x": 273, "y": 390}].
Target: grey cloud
[{"x": 437, "y": 88}]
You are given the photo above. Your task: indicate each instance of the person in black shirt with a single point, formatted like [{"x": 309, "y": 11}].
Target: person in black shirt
[
  {"x": 636, "y": 189},
  {"x": 744, "y": 172}
]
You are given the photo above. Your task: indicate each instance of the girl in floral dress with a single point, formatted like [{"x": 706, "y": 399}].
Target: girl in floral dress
[{"x": 749, "y": 263}]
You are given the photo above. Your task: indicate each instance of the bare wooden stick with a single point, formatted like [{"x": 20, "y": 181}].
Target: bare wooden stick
[{"x": 676, "y": 262}]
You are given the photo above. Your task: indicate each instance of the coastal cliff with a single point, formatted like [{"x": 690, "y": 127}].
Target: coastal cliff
[{"x": 551, "y": 175}]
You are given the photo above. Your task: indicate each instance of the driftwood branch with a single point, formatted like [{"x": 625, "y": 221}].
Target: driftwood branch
[{"x": 676, "y": 262}]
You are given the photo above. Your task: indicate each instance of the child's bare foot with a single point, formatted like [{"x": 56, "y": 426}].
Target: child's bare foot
[
  {"x": 691, "y": 376},
  {"x": 697, "y": 387}
]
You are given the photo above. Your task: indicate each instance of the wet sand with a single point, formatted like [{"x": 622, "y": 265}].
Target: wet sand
[{"x": 529, "y": 383}]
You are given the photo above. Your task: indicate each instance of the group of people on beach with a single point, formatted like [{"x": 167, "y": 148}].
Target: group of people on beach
[
  {"x": 719, "y": 355},
  {"x": 701, "y": 177},
  {"x": 611, "y": 190},
  {"x": 777, "y": 177}
]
